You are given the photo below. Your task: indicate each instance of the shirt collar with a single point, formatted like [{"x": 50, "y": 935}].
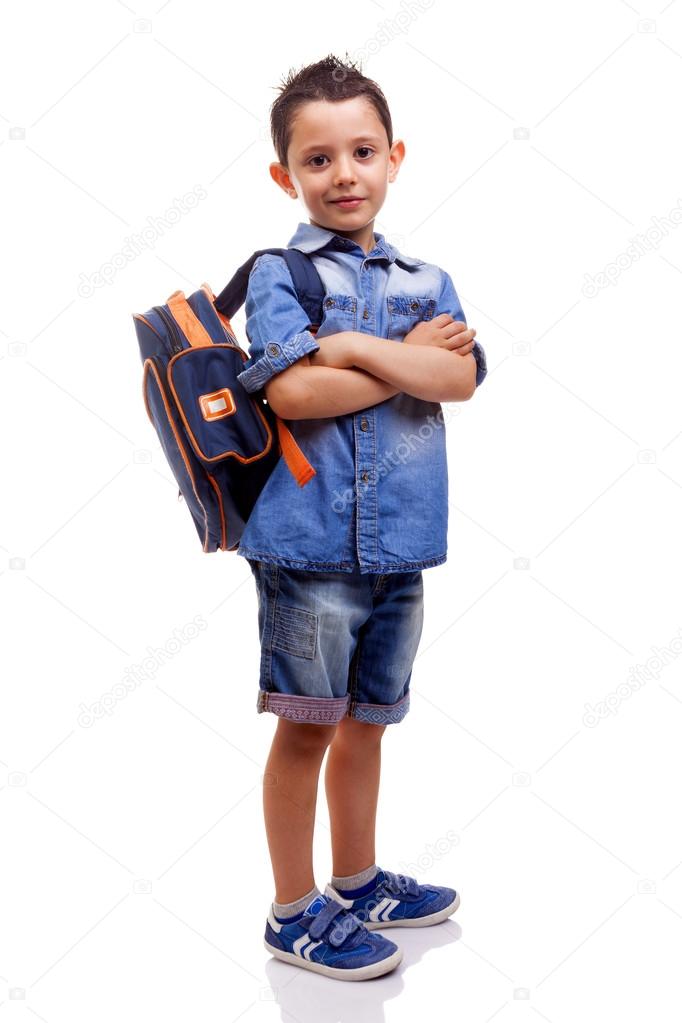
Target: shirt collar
[{"x": 310, "y": 238}]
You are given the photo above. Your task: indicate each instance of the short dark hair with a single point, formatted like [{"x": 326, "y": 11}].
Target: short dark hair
[{"x": 330, "y": 79}]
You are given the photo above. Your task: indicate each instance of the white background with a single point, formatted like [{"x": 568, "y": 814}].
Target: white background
[{"x": 541, "y": 139}]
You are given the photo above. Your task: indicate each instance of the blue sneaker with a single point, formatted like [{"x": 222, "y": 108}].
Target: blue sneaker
[
  {"x": 394, "y": 900},
  {"x": 328, "y": 939}
]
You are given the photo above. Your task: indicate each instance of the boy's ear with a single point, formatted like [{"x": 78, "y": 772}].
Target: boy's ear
[
  {"x": 280, "y": 175},
  {"x": 395, "y": 158}
]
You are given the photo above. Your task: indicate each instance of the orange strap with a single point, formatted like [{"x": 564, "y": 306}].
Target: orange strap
[
  {"x": 299, "y": 466},
  {"x": 189, "y": 323}
]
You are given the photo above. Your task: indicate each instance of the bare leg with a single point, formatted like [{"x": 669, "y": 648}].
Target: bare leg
[
  {"x": 289, "y": 800},
  {"x": 352, "y": 785}
]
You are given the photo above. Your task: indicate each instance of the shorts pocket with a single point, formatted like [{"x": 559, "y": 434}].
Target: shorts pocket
[{"x": 294, "y": 630}]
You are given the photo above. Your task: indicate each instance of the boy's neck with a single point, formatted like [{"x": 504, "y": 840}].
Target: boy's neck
[{"x": 364, "y": 236}]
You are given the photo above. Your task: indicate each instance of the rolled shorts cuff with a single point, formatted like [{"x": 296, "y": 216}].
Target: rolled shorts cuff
[
  {"x": 313, "y": 709},
  {"x": 330, "y": 710},
  {"x": 381, "y": 713}
]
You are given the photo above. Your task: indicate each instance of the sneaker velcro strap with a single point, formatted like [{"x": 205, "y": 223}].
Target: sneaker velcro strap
[
  {"x": 339, "y": 933},
  {"x": 399, "y": 884}
]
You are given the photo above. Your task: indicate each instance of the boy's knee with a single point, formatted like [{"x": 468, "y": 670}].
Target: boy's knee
[
  {"x": 360, "y": 731},
  {"x": 305, "y": 735}
]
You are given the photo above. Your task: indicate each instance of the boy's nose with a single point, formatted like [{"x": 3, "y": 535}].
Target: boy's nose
[{"x": 344, "y": 172}]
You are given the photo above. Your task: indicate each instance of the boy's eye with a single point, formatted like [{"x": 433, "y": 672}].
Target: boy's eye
[{"x": 321, "y": 156}]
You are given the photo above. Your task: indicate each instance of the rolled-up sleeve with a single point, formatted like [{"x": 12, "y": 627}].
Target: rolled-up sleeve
[
  {"x": 449, "y": 302},
  {"x": 276, "y": 324}
]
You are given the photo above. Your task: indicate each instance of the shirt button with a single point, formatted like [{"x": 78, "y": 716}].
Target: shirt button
[
  {"x": 364, "y": 424},
  {"x": 365, "y": 315},
  {"x": 414, "y": 306},
  {"x": 273, "y": 349},
  {"x": 365, "y": 476},
  {"x": 328, "y": 303}
]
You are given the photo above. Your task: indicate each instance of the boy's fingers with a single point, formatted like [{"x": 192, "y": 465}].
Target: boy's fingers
[
  {"x": 455, "y": 324},
  {"x": 454, "y": 327},
  {"x": 463, "y": 338}
]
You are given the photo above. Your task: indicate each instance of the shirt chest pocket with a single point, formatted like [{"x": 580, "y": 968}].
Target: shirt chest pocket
[
  {"x": 405, "y": 311},
  {"x": 339, "y": 312}
]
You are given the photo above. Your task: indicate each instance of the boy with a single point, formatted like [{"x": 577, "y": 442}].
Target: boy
[{"x": 338, "y": 563}]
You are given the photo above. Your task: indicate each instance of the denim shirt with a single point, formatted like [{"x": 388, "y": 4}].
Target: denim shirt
[{"x": 379, "y": 500}]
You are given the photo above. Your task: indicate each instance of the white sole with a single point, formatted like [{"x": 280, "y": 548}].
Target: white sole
[
  {"x": 359, "y": 973},
  {"x": 420, "y": 921}
]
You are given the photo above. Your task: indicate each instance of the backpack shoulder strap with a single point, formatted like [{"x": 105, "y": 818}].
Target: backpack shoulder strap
[
  {"x": 307, "y": 282},
  {"x": 309, "y": 287}
]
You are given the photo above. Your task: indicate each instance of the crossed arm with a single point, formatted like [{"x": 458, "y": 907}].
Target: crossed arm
[{"x": 353, "y": 371}]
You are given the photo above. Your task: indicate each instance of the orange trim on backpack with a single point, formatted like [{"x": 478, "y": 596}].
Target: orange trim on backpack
[{"x": 188, "y": 321}]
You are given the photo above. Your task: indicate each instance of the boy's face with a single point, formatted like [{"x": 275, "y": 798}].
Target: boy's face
[{"x": 340, "y": 149}]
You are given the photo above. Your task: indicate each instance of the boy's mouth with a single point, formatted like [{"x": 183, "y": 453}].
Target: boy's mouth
[{"x": 349, "y": 201}]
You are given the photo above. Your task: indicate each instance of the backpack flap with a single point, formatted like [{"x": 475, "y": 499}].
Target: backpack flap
[
  {"x": 197, "y": 377},
  {"x": 202, "y": 380},
  {"x": 208, "y": 405}
]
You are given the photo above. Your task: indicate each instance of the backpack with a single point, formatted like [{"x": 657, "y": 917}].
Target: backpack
[{"x": 221, "y": 442}]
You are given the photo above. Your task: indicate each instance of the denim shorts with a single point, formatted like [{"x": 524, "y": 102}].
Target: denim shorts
[{"x": 337, "y": 643}]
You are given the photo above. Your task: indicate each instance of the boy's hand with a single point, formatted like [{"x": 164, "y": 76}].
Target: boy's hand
[{"x": 442, "y": 332}]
